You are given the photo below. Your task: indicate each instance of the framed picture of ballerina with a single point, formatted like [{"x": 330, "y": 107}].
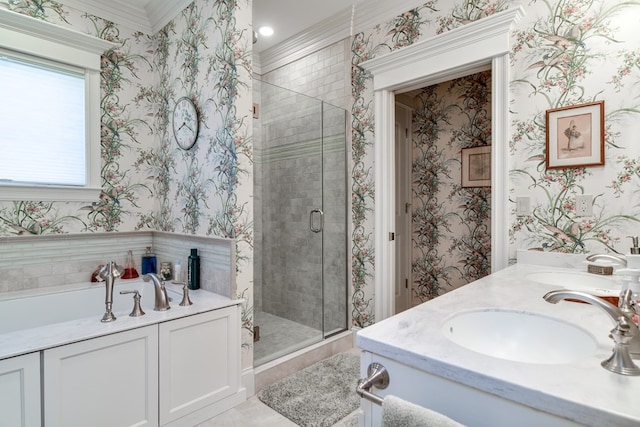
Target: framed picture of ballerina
[{"x": 575, "y": 136}]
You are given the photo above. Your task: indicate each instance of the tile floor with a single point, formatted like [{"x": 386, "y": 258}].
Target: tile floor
[{"x": 254, "y": 413}]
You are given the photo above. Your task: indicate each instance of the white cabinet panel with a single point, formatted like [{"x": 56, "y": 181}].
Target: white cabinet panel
[
  {"x": 109, "y": 381},
  {"x": 20, "y": 391},
  {"x": 199, "y": 362},
  {"x": 466, "y": 405}
]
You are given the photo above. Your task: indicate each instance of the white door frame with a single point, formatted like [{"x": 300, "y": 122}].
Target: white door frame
[{"x": 462, "y": 51}]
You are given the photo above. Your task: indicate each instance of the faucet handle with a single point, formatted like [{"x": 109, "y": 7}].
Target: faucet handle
[
  {"x": 137, "y": 310},
  {"x": 620, "y": 361},
  {"x": 186, "y": 301}
]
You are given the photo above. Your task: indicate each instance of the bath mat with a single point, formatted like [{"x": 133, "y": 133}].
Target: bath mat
[{"x": 317, "y": 396}]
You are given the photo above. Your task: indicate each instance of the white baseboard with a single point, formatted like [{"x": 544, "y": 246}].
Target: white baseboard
[{"x": 248, "y": 381}]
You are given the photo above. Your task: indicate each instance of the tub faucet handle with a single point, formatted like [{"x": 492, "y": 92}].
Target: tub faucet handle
[
  {"x": 137, "y": 310},
  {"x": 186, "y": 301},
  {"x": 620, "y": 361}
]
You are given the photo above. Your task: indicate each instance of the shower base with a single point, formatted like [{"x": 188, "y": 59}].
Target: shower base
[{"x": 279, "y": 336}]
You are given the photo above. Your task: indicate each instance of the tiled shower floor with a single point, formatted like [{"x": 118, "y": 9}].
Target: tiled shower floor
[{"x": 279, "y": 337}]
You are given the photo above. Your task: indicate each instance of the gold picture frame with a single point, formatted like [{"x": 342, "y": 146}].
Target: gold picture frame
[
  {"x": 476, "y": 167},
  {"x": 575, "y": 136}
]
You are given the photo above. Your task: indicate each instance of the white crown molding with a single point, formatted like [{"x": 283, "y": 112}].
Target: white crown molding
[
  {"x": 114, "y": 10},
  {"x": 161, "y": 12},
  {"x": 314, "y": 38},
  {"x": 150, "y": 19},
  {"x": 367, "y": 14}
]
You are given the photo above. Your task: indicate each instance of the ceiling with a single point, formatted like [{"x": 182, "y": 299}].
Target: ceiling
[{"x": 287, "y": 17}]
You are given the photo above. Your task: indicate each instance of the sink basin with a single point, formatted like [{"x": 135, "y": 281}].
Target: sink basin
[
  {"x": 519, "y": 336},
  {"x": 576, "y": 281}
]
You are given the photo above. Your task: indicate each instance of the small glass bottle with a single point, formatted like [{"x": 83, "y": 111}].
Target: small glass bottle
[
  {"x": 130, "y": 268},
  {"x": 165, "y": 271},
  {"x": 149, "y": 262}
]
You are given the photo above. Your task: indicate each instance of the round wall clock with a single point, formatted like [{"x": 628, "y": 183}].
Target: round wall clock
[{"x": 185, "y": 123}]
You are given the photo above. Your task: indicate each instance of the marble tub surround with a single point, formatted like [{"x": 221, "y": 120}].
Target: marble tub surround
[
  {"x": 50, "y": 261},
  {"x": 66, "y": 332},
  {"x": 581, "y": 391}
]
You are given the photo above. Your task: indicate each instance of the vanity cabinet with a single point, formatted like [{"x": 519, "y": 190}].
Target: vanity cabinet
[
  {"x": 467, "y": 405},
  {"x": 106, "y": 381},
  {"x": 20, "y": 391},
  {"x": 199, "y": 366},
  {"x": 174, "y": 373}
]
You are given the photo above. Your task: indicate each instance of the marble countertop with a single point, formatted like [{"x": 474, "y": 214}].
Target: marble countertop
[
  {"x": 40, "y": 338},
  {"x": 582, "y": 390}
]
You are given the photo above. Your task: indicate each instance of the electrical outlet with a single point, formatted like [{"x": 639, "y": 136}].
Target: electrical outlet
[
  {"x": 523, "y": 205},
  {"x": 584, "y": 205}
]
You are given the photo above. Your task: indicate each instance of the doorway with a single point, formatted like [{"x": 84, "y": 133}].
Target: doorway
[
  {"x": 449, "y": 219},
  {"x": 471, "y": 48}
]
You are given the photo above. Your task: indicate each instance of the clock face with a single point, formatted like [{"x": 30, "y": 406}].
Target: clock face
[{"x": 185, "y": 123}]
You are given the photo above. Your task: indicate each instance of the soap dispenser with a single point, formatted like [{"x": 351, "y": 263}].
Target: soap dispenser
[{"x": 633, "y": 259}]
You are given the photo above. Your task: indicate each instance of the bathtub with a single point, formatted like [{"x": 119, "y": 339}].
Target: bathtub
[
  {"x": 25, "y": 311},
  {"x": 38, "y": 319},
  {"x": 180, "y": 366}
]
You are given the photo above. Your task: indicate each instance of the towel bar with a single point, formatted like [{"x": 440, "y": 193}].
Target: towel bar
[{"x": 377, "y": 376}]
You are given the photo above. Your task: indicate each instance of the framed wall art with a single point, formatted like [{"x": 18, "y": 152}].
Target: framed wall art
[
  {"x": 476, "y": 166},
  {"x": 575, "y": 136}
]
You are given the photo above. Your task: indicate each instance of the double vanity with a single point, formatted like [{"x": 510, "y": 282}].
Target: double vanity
[
  {"x": 61, "y": 366},
  {"x": 495, "y": 353}
]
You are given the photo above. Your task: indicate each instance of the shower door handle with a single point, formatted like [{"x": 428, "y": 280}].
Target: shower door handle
[{"x": 312, "y": 227}]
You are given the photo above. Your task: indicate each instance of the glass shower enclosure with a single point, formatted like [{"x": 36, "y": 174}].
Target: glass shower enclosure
[{"x": 300, "y": 258}]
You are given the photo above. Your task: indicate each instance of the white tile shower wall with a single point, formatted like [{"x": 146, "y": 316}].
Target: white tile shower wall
[
  {"x": 324, "y": 75},
  {"x": 31, "y": 262}
]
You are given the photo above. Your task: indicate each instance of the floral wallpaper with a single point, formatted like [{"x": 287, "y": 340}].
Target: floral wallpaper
[
  {"x": 564, "y": 52},
  {"x": 451, "y": 225},
  {"x": 148, "y": 182}
]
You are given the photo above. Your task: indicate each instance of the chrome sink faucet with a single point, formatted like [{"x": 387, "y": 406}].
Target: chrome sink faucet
[
  {"x": 625, "y": 335},
  {"x": 108, "y": 274},
  {"x": 161, "y": 297}
]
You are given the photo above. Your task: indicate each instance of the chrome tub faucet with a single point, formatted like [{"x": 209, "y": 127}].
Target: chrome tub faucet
[
  {"x": 161, "y": 298},
  {"x": 108, "y": 274}
]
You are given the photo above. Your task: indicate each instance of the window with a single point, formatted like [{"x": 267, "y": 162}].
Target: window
[
  {"x": 42, "y": 113},
  {"x": 49, "y": 112}
]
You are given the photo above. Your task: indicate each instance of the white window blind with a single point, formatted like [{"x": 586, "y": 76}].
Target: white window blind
[{"x": 42, "y": 123}]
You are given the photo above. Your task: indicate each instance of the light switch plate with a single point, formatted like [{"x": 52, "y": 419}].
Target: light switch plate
[{"x": 523, "y": 205}]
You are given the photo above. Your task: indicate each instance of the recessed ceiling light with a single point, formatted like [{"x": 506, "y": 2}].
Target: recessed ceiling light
[{"x": 265, "y": 31}]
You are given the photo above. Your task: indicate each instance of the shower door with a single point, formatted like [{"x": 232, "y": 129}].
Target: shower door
[{"x": 300, "y": 222}]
